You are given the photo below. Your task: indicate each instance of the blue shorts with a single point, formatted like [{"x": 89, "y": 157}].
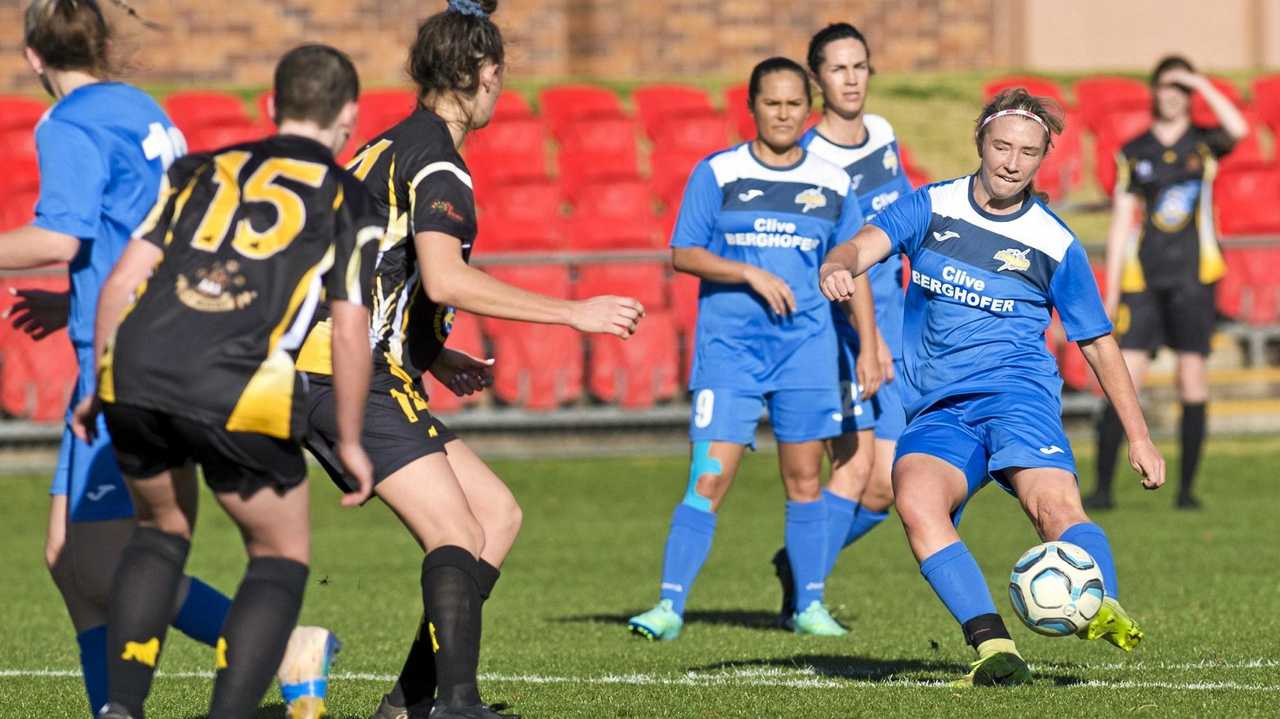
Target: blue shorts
[
  {"x": 859, "y": 414},
  {"x": 88, "y": 475},
  {"x": 731, "y": 415},
  {"x": 886, "y": 405},
  {"x": 983, "y": 434}
]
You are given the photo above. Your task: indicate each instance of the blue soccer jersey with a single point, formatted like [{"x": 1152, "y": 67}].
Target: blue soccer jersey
[
  {"x": 982, "y": 290},
  {"x": 783, "y": 220},
  {"x": 876, "y": 175},
  {"x": 103, "y": 149}
]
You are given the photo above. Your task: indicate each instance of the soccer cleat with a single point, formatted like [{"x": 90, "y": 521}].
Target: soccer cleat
[
  {"x": 111, "y": 710},
  {"x": 782, "y": 570},
  {"x": 475, "y": 711},
  {"x": 998, "y": 665},
  {"x": 816, "y": 621},
  {"x": 304, "y": 671},
  {"x": 1115, "y": 625},
  {"x": 387, "y": 710},
  {"x": 1098, "y": 502},
  {"x": 1187, "y": 501},
  {"x": 658, "y": 624}
]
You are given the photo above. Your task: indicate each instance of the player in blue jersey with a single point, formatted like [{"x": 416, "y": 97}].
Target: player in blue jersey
[
  {"x": 989, "y": 263},
  {"x": 103, "y": 148},
  {"x": 860, "y": 491},
  {"x": 755, "y": 221}
]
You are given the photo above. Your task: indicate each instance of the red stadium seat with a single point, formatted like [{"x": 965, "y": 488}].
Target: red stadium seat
[
  {"x": 17, "y": 209},
  {"x": 639, "y": 371},
  {"x": 1039, "y": 86},
  {"x": 511, "y": 105},
  {"x": 658, "y": 104},
  {"x": 1248, "y": 151},
  {"x": 645, "y": 281},
  {"x": 600, "y": 134},
  {"x": 669, "y": 173},
  {"x": 1231, "y": 288},
  {"x": 1262, "y": 272},
  {"x": 382, "y": 109},
  {"x": 700, "y": 133},
  {"x": 20, "y": 175},
  {"x": 1099, "y": 96},
  {"x": 623, "y": 198},
  {"x": 684, "y": 307},
  {"x": 490, "y": 171},
  {"x": 36, "y": 378},
  {"x": 215, "y": 136},
  {"x": 593, "y": 233},
  {"x": 916, "y": 174},
  {"x": 1266, "y": 100},
  {"x": 197, "y": 108},
  {"x": 507, "y": 151},
  {"x": 531, "y": 200},
  {"x": 539, "y": 367},
  {"x": 1247, "y": 200},
  {"x": 735, "y": 106},
  {"x": 1202, "y": 115},
  {"x": 565, "y": 104},
  {"x": 579, "y": 168},
  {"x": 17, "y": 111},
  {"x": 1063, "y": 168},
  {"x": 17, "y": 142},
  {"x": 501, "y": 233}
]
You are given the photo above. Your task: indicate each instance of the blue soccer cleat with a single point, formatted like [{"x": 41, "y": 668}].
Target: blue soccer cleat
[
  {"x": 658, "y": 624},
  {"x": 304, "y": 671}
]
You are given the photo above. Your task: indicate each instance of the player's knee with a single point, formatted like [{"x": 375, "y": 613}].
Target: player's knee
[{"x": 879, "y": 493}]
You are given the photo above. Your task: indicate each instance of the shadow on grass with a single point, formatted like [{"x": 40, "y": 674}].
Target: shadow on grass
[
  {"x": 750, "y": 619},
  {"x": 868, "y": 669},
  {"x": 273, "y": 711}
]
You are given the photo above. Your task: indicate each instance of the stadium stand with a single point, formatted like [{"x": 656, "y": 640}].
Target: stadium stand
[
  {"x": 657, "y": 105},
  {"x": 17, "y": 142},
  {"x": 19, "y": 111},
  {"x": 565, "y": 104},
  {"x": 194, "y": 109},
  {"x": 36, "y": 378},
  {"x": 511, "y": 105},
  {"x": 380, "y": 109},
  {"x": 534, "y": 199},
  {"x": 22, "y": 174},
  {"x": 645, "y": 281},
  {"x": 1039, "y": 86},
  {"x": 1097, "y": 97},
  {"x": 465, "y": 337},
  {"x": 1200, "y": 112},
  {"x": 1247, "y": 198},
  {"x": 1265, "y": 92},
  {"x": 622, "y": 198},
  {"x": 17, "y": 208},
  {"x": 640, "y": 371},
  {"x": 202, "y": 138},
  {"x": 503, "y": 233}
]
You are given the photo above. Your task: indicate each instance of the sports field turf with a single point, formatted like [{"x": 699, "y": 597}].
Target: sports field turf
[{"x": 1204, "y": 585}]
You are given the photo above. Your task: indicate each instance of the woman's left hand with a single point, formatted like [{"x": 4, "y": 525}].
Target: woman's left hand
[
  {"x": 462, "y": 373},
  {"x": 870, "y": 372},
  {"x": 39, "y": 313}
]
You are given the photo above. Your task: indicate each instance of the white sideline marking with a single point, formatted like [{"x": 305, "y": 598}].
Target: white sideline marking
[{"x": 797, "y": 678}]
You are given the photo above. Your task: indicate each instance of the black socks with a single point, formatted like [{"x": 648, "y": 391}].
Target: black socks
[
  {"x": 1110, "y": 435},
  {"x": 984, "y": 627},
  {"x": 1191, "y": 433},
  {"x": 254, "y": 637},
  {"x": 142, "y": 596},
  {"x": 451, "y": 595}
]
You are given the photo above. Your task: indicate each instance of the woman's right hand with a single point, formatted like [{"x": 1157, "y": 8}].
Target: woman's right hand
[
  {"x": 607, "y": 314},
  {"x": 772, "y": 289}
]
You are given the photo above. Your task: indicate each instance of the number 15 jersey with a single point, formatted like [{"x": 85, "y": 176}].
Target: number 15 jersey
[{"x": 254, "y": 236}]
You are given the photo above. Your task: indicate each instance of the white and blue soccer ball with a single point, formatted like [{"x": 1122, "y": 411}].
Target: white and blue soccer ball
[{"x": 1056, "y": 588}]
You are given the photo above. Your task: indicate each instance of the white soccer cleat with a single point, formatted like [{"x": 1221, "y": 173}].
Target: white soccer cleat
[{"x": 304, "y": 671}]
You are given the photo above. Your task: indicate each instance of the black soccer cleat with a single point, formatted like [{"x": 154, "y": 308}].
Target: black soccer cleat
[
  {"x": 111, "y": 710},
  {"x": 387, "y": 710},
  {"x": 1098, "y": 502},
  {"x": 782, "y": 569},
  {"x": 1187, "y": 501}
]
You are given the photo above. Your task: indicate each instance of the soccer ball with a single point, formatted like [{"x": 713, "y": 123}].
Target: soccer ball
[{"x": 1056, "y": 588}]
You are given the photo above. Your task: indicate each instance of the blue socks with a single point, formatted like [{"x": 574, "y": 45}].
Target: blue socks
[
  {"x": 688, "y": 544},
  {"x": 958, "y": 582},
  {"x": 1090, "y": 537},
  {"x": 202, "y": 613},
  {"x": 806, "y": 539},
  {"x": 847, "y": 522},
  {"x": 93, "y": 662}
]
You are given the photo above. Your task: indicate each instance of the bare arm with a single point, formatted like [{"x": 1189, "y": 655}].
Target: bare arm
[
  {"x": 1229, "y": 116},
  {"x": 352, "y": 366},
  {"x": 1103, "y": 356},
  {"x": 850, "y": 259},
  {"x": 862, "y": 315},
  {"x": 30, "y": 246},
  {"x": 703, "y": 263},
  {"x": 1123, "y": 207},
  {"x": 449, "y": 280}
]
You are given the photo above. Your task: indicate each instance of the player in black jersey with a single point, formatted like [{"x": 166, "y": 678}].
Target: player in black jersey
[
  {"x": 229, "y": 267},
  {"x": 1160, "y": 280},
  {"x": 462, "y": 514}
]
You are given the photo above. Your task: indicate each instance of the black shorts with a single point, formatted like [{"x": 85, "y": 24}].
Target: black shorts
[
  {"x": 398, "y": 428},
  {"x": 148, "y": 442},
  {"x": 1180, "y": 318}
]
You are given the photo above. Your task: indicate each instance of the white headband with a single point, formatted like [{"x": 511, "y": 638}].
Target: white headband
[{"x": 1022, "y": 113}]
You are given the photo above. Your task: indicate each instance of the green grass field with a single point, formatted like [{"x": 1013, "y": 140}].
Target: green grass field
[{"x": 1205, "y": 586}]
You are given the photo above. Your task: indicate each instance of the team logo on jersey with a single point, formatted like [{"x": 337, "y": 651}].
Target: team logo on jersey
[
  {"x": 444, "y": 207},
  {"x": 445, "y": 316},
  {"x": 1052, "y": 449},
  {"x": 99, "y": 492},
  {"x": 811, "y": 198},
  {"x": 890, "y": 160},
  {"x": 750, "y": 195},
  {"x": 217, "y": 288},
  {"x": 1142, "y": 169},
  {"x": 944, "y": 236},
  {"x": 1012, "y": 259},
  {"x": 1176, "y": 205}
]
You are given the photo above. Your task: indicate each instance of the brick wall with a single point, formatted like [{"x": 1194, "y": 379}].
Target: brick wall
[{"x": 222, "y": 42}]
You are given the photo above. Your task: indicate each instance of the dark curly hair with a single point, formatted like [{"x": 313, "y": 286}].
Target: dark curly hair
[{"x": 452, "y": 46}]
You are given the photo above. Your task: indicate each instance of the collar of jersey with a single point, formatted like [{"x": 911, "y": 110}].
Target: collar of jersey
[
  {"x": 752, "y": 152},
  {"x": 858, "y": 146},
  {"x": 1026, "y": 204},
  {"x": 99, "y": 83}
]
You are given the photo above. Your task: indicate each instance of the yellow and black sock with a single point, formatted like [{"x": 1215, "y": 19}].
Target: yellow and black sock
[{"x": 451, "y": 595}]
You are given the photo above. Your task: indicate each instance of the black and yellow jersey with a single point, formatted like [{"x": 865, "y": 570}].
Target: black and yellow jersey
[
  {"x": 419, "y": 183},
  {"x": 1178, "y": 242},
  {"x": 254, "y": 236}
]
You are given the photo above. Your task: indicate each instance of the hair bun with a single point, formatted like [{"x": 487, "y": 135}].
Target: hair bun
[{"x": 474, "y": 8}]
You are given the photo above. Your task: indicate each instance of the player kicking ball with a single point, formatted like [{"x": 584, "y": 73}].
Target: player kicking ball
[
  {"x": 197, "y": 328},
  {"x": 989, "y": 263}
]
